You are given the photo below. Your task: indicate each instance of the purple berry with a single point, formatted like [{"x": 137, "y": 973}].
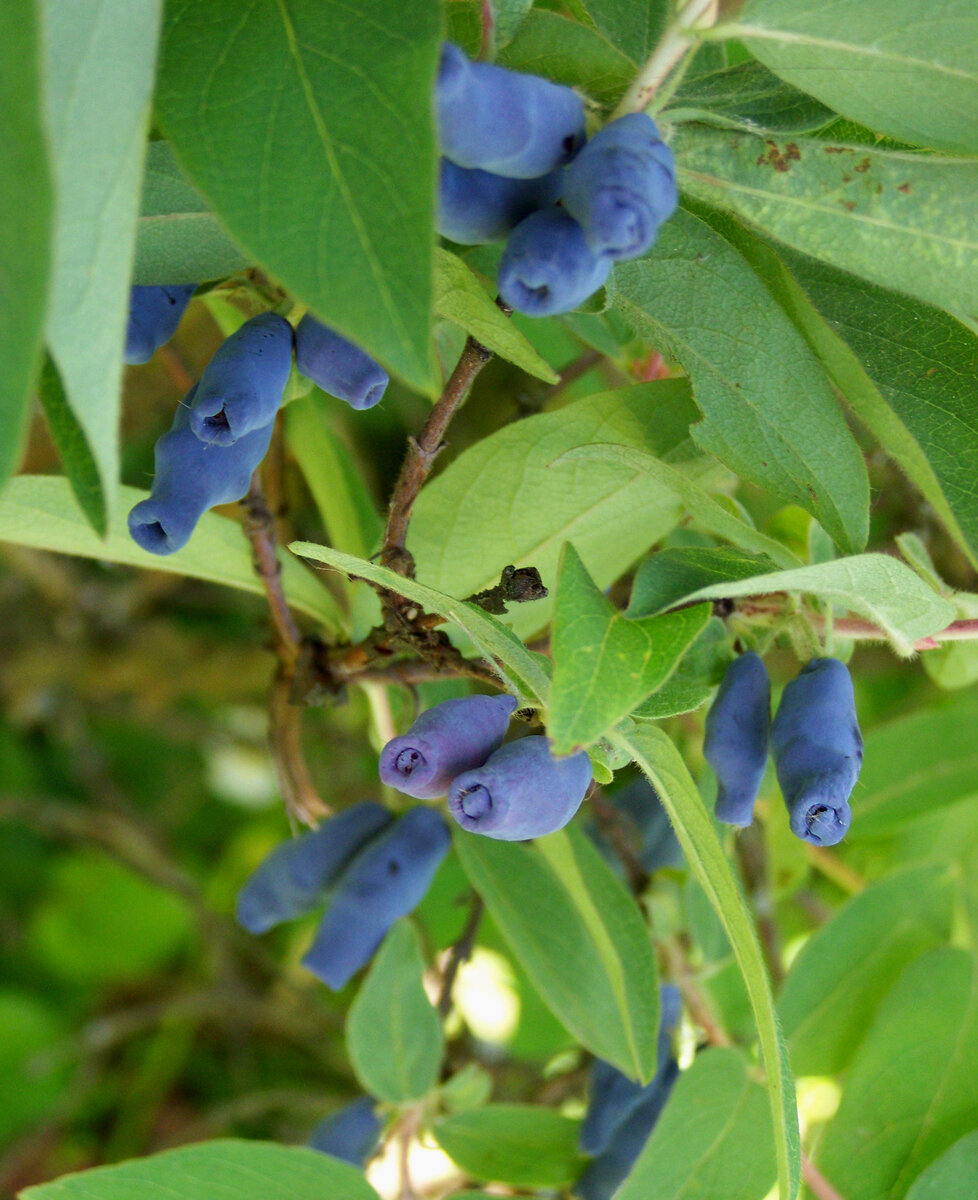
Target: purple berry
[
  {"x": 547, "y": 267},
  {"x": 736, "y": 737},
  {"x": 477, "y": 206},
  {"x": 338, "y": 366},
  {"x": 154, "y": 314}
]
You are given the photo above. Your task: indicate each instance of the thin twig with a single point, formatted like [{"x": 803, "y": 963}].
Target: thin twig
[
  {"x": 817, "y": 1182},
  {"x": 679, "y": 37},
  {"x": 696, "y": 1002},
  {"x": 832, "y": 867},
  {"x": 260, "y": 528},
  {"x": 574, "y": 370},
  {"x": 856, "y": 629},
  {"x": 460, "y": 952}
]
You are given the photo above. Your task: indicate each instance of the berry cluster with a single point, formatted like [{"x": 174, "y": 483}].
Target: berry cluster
[
  {"x": 815, "y": 742},
  {"x": 223, "y": 426},
  {"x": 507, "y": 138}
]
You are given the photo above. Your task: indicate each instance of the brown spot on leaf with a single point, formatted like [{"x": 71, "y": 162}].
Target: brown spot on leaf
[
  {"x": 848, "y": 205},
  {"x": 932, "y": 371},
  {"x": 864, "y": 165},
  {"x": 847, "y": 179},
  {"x": 838, "y": 150},
  {"x": 905, "y": 188},
  {"x": 780, "y": 160}
]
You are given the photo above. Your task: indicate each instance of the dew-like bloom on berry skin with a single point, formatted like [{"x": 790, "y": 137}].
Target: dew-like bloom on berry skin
[
  {"x": 191, "y": 477},
  {"x": 337, "y": 365},
  {"x": 294, "y": 878},
  {"x": 622, "y": 186},
  {"x": 386, "y": 881},
  {"x": 547, "y": 267},
  {"x": 521, "y": 792},
  {"x": 242, "y": 386},
  {"x": 505, "y": 121},
  {"x": 818, "y": 750},
  {"x": 154, "y": 314},
  {"x": 350, "y": 1134},
  {"x": 737, "y": 728},
  {"x": 448, "y": 739},
  {"x": 475, "y": 207}
]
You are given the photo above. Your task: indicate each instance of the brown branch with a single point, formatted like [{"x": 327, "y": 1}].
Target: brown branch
[
  {"x": 856, "y": 629},
  {"x": 698, "y": 1005},
  {"x": 574, "y": 370},
  {"x": 260, "y": 528},
  {"x": 816, "y": 1181},
  {"x": 461, "y": 952}
]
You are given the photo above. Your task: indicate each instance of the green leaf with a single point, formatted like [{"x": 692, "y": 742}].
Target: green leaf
[
  {"x": 221, "y": 1170},
  {"x": 393, "y": 1034},
  {"x": 668, "y": 577},
  {"x": 579, "y": 937},
  {"x": 25, "y": 221},
  {"x": 633, "y": 26},
  {"x": 521, "y": 1144},
  {"x": 905, "y": 221},
  {"x": 749, "y": 97},
  {"x": 693, "y": 681},
  {"x": 33, "y": 1075},
  {"x": 73, "y": 448},
  {"x": 521, "y": 670},
  {"x": 605, "y": 665},
  {"x": 952, "y": 1175},
  {"x": 845, "y": 969},
  {"x": 912, "y": 75},
  {"x": 910, "y": 1093},
  {"x": 661, "y": 763},
  {"x": 307, "y": 127},
  {"x": 40, "y": 511},
  {"x": 461, "y": 298},
  {"x": 713, "y": 1138},
  {"x": 99, "y": 69},
  {"x": 178, "y": 238},
  {"x": 508, "y": 16},
  {"x": 769, "y": 411}
]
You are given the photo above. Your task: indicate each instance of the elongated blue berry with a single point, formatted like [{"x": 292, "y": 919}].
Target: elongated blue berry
[
  {"x": 448, "y": 739},
  {"x": 476, "y": 206},
  {"x": 504, "y": 121},
  {"x": 191, "y": 477},
  {"x": 737, "y": 728},
  {"x": 154, "y": 314},
  {"x": 293, "y": 879},
  {"x": 622, "y": 186},
  {"x": 547, "y": 266},
  {"x": 242, "y": 386},
  {"x": 338, "y": 366},
  {"x": 521, "y": 792},
  {"x": 386, "y": 880},
  {"x": 818, "y": 750},
  {"x": 350, "y": 1134}
]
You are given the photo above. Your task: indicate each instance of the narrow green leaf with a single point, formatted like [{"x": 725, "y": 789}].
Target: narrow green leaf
[
  {"x": 520, "y": 1144},
  {"x": 749, "y": 97},
  {"x": 99, "y": 70},
  {"x": 178, "y": 238},
  {"x": 25, "y": 223},
  {"x": 713, "y": 1138},
  {"x": 307, "y": 127},
  {"x": 633, "y": 26},
  {"x": 769, "y": 411},
  {"x": 668, "y": 577},
  {"x": 661, "y": 763},
  {"x": 846, "y": 968},
  {"x": 461, "y": 298},
  {"x": 905, "y": 221},
  {"x": 221, "y": 1170},
  {"x": 691, "y": 684},
  {"x": 912, "y": 75},
  {"x": 40, "y": 511},
  {"x": 73, "y": 447},
  {"x": 605, "y": 665},
  {"x": 952, "y": 1175},
  {"x": 393, "y": 1034}
]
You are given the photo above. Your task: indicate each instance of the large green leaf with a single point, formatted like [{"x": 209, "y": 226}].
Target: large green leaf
[
  {"x": 73, "y": 447},
  {"x": 220, "y": 1170},
  {"x": 604, "y": 663},
  {"x": 178, "y": 238},
  {"x": 843, "y": 972},
  {"x": 393, "y": 1034},
  {"x": 953, "y": 1175},
  {"x": 691, "y": 684},
  {"x": 661, "y": 762},
  {"x": 578, "y": 935},
  {"x": 100, "y": 61},
  {"x": 747, "y": 96},
  {"x": 905, "y": 221},
  {"x": 713, "y": 1139},
  {"x": 25, "y": 218},
  {"x": 769, "y": 411},
  {"x": 668, "y": 577},
  {"x": 308, "y": 129},
  {"x": 910, "y": 1093},
  {"x": 520, "y": 1144},
  {"x": 908, "y": 68},
  {"x": 40, "y": 511},
  {"x": 634, "y": 26}
]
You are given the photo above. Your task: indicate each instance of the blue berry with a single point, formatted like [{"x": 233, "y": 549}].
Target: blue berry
[
  {"x": 443, "y": 742},
  {"x": 547, "y": 267},
  {"x": 337, "y": 366},
  {"x": 622, "y": 186},
  {"x": 242, "y": 386},
  {"x": 293, "y": 879},
  {"x": 505, "y": 121},
  {"x": 350, "y": 1134},
  {"x": 736, "y": 737},
  {"x": 191, "y": 477},
  {"x": 521, "y": 792},
  {"x": 818, "y": 750},
  {"x": 386, "y": 880},
  {"x": 477, "y": 206},
  {"x": 154, "y": 314}
]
